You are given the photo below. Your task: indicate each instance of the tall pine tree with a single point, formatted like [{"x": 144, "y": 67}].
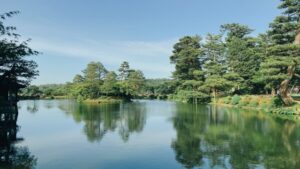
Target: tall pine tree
[{"x": 186, "y": 57}]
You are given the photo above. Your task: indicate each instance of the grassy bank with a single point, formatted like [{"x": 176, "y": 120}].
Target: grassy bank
[
  {"x": 267, "y": 103},
  {"x": 102, "y": 100}
]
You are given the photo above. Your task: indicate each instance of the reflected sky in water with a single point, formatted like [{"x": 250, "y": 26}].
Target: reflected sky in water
[{"x": 155, "y": 134}]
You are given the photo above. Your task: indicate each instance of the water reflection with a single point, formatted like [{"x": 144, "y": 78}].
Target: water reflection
[
  {"x": 12, "y": 156},
  {"x": 33, "y": 106},
  {"x": 212, "y": 137},
  {"x": 125, "y": 118},
  {"x": 197, "y": 136}
]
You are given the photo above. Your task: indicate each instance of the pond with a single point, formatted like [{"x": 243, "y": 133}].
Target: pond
[{"x": 63, "y": 134}]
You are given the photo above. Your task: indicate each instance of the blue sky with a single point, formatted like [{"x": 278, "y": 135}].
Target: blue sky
[{"x": 71, "y": 33}]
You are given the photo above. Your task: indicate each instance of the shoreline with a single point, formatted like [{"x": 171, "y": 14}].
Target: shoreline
[
  {"x": 287, "y": 111},
  {"x": 102, "y": 101}
]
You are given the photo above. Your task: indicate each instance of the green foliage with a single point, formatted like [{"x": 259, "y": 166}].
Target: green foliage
[
  {"x": 110, "y": 86},
  {"x": 158, "y": 88},
  {"x": 124, "y": 71},
  {"x": 80, "y": 98},
  {"x": 275, "y": 67},
  {"x": 95, "y": 71},
  {"x": 15, "y": 67},
  {"x": 98, "y": 82},
  {"x": 235, "y": 30},
  {"x": 133, "y": 85},
  {"x": 235, "y": 100},
  {"x": 233, "y": 62},
  {"x": 78, "y": 79},
  {"x": 186, "y": 57},
  {"x": 277, "y": 101}
]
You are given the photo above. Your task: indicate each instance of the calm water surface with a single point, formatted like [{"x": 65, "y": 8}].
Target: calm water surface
[{"x": 63, "y": 134}]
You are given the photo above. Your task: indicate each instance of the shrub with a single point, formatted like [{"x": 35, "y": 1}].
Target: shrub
[
  {"x": 277, "y": 101},
  {"x": 80, "y": 98},
  {"x": 235, "y": 99}
]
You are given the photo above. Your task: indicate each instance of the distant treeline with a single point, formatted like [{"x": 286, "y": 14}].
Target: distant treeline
[{"x": 98, "y": 83}]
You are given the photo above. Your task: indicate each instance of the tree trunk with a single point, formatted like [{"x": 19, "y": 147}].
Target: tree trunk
[{"x": 283, "y": 90}]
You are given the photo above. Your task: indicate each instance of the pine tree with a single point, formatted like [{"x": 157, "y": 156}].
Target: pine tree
[
  {"x": 109, "y": 86},
  {"x": 78, "y": 79},
  {"x": 124, "y": 71},
  {"x": 95, "y": 71},
  {"x": 243, "y": 54},
  {"x": 186, "y": 57},
  {"x": 214, "y": 68}
]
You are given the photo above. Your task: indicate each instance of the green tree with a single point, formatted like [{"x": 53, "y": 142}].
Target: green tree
[
  {"x": 14, "y": 66},
  {"x": 124, "y": 71},
  {"x": 243, "y": 53},
  {"x": 110, "y": 86},
  {"x": 186, "y": 57},
  {"x": 235, "y": 30},
  {"x": 95, "y": 71},
  {"x": 133, "y": 85},
  {"x": 136, "y": 80},
  {"x": 78, "y": 79},
  {"x": 214, "y": 68},
  {"x": 244, "y": 58}
]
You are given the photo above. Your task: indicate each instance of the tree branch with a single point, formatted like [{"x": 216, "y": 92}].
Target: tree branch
[{"x": 297, "y": 75}]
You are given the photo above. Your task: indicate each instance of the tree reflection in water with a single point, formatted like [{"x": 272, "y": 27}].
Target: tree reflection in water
[
  {"x": 12, "y": 156},
  {"x": 209, "y": 137},
  {"x": 100, "y": 119}
]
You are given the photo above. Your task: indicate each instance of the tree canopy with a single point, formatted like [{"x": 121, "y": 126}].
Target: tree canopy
[{"x": 15, "y": 67}]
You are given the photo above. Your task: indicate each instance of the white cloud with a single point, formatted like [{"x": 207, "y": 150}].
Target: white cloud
[{"x": 152, "y": 57}]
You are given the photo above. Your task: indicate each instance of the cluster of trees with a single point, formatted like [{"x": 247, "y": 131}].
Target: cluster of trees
[
  {"x": 233, "y": 61},
  {"x": 97, "y": 81}
]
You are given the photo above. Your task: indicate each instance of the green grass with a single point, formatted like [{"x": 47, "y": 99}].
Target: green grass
[{"x": 273, "y": 105}]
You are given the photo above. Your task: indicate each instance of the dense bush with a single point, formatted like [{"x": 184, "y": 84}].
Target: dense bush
[
  {"x": 277, "y": 101},
  {"x": 235, "y": 100}
]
